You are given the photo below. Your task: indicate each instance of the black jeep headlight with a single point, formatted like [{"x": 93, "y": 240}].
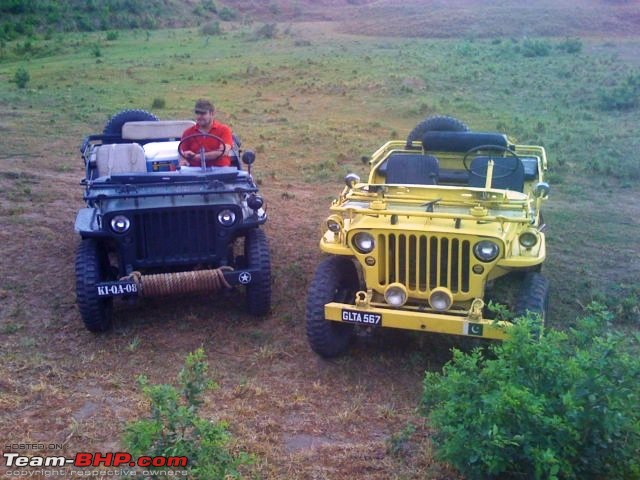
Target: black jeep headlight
[
  {"x": 226, "y": 217},
  {"x": 120, "y": 224},
  {"x": 255, "y": 202},
  {"x": 486, "y": 250},
  {"x": 363, "y": 242}
]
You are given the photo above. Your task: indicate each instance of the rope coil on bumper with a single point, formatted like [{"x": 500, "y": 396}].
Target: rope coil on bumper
[{"x": 180, "y": 282}]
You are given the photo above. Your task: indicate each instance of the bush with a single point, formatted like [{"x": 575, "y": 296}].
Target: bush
[
  {"x": 571, "y": 45},
  {"x": 625, "y": 96},
  {"x": 561, "y": 407},
  {"x": 21, "y": 77},
  {"x": 111, "y": 36},
  {"x": 174, "y": 427},
  {"x": 211, "y": 28},
  {"x": 159, "y": 103},
  {"x": 227, "y": 14},
  {"x": 266, "y": 31},
  {"x": 535, "y": 48}
]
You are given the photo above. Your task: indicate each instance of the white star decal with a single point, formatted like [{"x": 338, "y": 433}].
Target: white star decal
[{"x": 244, "y": 278}]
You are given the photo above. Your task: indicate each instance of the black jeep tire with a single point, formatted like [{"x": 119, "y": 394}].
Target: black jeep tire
[
  {"x": 115, "y": 123},
  {"x": 533, "y": 296},
  {"x": 439, "y": 123},
  {"x": 92, "y": 268},
  {"x": 256, "y": 253},
  {"x": 335, "y": 280}
]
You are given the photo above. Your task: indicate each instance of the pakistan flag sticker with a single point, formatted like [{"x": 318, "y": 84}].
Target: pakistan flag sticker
[{"x": 473, "y": 329}]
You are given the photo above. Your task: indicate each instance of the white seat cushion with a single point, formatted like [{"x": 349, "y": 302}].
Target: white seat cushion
[{"x": 120, "y": 158}]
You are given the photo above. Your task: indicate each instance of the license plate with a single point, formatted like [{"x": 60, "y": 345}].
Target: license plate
[
  {"x": 362, "y": 318},
  {"x": 113, "y": 289}
]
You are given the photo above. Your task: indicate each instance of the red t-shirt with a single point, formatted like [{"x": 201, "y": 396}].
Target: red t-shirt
[{"x": 219, "y": 130}]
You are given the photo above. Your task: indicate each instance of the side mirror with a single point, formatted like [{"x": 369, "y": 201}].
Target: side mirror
[
  {"x": 541, "y": 190},
  {"x": 351, "y": 179},
  {"x": 248, "y": 157}
]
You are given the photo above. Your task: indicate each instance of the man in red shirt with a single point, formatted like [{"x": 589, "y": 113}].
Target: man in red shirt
[{"x": 205, "y": 123}]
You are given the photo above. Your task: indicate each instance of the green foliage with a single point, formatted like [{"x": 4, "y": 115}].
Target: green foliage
[
  {"x": 227, "y": 14},
  {"x": 209, "y": 5},
  {"x": 624, "y": 96},
  {"x": 21, "y": 77},
  {"x": 174, "y": 427},
  {"x": 20, "y": 18},
  {"x": 570, "y": 45},
  {"x": 96, "y": 51},
  {"x": 266, "y": 31},
  {"x": 159, "y": 103},
  {"x": 564, "y": 406},
  {"x": 535, "y": 48},
  {"x": 111, "y": 36},
  {"x": 211, "y": 28}
]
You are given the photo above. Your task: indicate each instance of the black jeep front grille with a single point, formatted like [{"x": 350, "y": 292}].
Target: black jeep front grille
[
  {"x": 177, "y": 235},
  {"x": 424, "y": 262}
]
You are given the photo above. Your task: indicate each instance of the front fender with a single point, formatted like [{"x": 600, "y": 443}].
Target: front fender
[{"x": 87, "y": 224}]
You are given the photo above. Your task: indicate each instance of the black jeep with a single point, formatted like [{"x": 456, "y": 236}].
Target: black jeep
[{"x": 151, "y": 227}]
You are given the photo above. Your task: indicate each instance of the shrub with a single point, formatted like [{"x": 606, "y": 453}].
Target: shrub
[
  {"x": 211, "y": 28},
  {"x": 174, "y": 427},
  {"x": 209, "y": 5},
  {"x": 21, "y": 77},
  {"x": 111, "y": 36},
  {"x": 227, "y": 14},
  {"x": 571, "y": 45},
  {"x": 625, "y": 96},
  {"x": 266, "y": 31},
  {"x": 159, "y": 103},
  {"x": 535, "y": 48},
  {"x": 561, "y": 407}
]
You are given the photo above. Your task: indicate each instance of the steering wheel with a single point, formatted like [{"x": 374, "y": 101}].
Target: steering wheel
[
  {"x": 492, "y": 148},
  {"x": 202, "y": 151}
]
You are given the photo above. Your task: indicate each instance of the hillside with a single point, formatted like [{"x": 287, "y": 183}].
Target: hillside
[{"x": 412, "y": 18}]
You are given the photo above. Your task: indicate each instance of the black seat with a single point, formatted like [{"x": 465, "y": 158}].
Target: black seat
[
  {"x": 508, "y": 173},
  {"x": 438, "y": 141},
  {"x": 414, "y": 169}
]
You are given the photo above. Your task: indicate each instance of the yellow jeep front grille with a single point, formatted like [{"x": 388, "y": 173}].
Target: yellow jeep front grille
[{"x": 423, "y": 262}]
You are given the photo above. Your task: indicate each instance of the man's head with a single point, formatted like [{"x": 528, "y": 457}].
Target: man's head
[{"x": 204, "y": 112}]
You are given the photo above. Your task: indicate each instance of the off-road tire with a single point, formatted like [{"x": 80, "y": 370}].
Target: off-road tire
[
  {"x": 439, "y": 123},
  {"x": 533, "y": 296},
  {"x": 91, "y": 265},
  {"x": 258, "y": 292},
  {"x": 335, "y": 280},
  {"x": 115, "y": 123}
]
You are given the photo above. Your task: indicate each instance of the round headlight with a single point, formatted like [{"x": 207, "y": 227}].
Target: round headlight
[
  {"x": 255, "y": 202},
  {"x": 226, "y": 217},
  {"x": 528, "y": 239},
  {"x": 486, "y": 250},
  {"x": 363, "y": 242},
  {"x": 395, "y": 295},
  {"x": 120, "y": 224},
  {"x": 334, "y": 223},
  {"x": 440, "y": 299}
]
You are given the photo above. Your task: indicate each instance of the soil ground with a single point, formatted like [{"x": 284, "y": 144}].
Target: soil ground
[{"x": 303, "y": 417}]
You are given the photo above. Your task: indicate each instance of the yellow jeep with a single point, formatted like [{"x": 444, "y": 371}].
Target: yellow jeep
[{"x": 440, "y": 217}]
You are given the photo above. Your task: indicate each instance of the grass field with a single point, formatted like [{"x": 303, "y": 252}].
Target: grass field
[{"x": 312, "y": 102}]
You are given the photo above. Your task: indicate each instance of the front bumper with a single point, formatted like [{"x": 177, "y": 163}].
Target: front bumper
[
  {"x": 182, "y": 282},
  {"x": 470, "y": 325}
]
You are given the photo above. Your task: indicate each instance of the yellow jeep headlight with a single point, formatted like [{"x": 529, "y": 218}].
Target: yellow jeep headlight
[
  {"x": 528, "y": 239},
  {"x": 441, "y": 299},
  {"x": 486, "y": 250},
  {"x": 334, "y": 223},
  {"x": 363, "y": 242},
  {"x": 396, "y": 295}
]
